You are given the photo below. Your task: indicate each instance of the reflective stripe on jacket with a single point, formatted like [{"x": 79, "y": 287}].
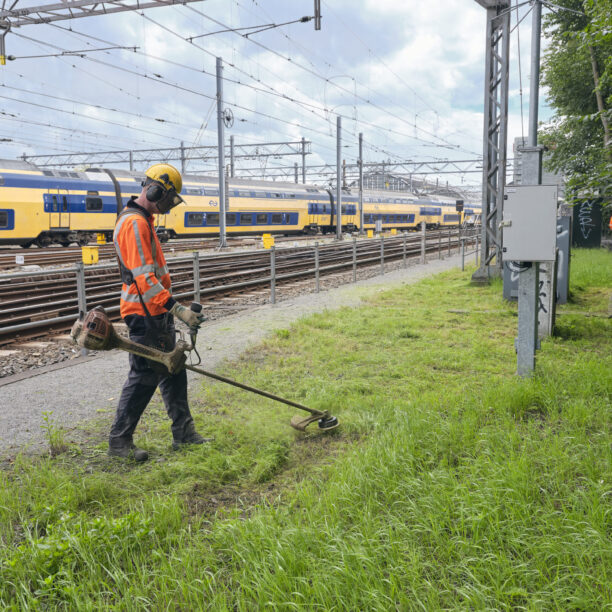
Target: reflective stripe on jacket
[{"x": 140, "y": 252}]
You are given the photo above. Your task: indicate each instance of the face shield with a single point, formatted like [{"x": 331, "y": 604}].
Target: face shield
[{"x": 168, "y": 201}]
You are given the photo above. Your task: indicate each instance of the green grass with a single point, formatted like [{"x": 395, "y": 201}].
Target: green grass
[{"x": 451, "y": 483}]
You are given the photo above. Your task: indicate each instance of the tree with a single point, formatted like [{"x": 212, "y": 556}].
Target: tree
[{"x": 577, "y": 70}]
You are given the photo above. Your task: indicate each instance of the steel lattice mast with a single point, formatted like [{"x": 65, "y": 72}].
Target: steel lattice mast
[{"x": 495, "y": 135}]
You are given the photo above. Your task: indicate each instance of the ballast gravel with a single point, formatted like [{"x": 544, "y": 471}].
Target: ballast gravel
[{"x": 69, "y": 395}]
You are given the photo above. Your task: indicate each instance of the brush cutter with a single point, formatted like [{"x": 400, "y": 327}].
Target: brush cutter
[{"x": 96, "y": 332}]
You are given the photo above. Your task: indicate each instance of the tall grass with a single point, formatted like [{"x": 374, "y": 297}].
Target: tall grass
[{"x": 450, "y": 484}]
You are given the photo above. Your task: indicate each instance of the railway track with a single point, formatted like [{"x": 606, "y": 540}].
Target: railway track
[
  {"x": 44, "y": 302},
  {"x": 53, "y": 256}
]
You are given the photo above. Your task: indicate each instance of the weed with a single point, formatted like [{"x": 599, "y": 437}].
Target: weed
[
  {"x": 451, "y": 483},
  {"x": 54, "y": 435}
]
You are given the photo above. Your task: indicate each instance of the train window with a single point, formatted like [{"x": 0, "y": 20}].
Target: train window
[
  {"x": 91, "y": 203},
  {"x": 192, "y": 191},
  {"x": 262, "y": 218},
  {"x": 64, "y": 204},
  {"x": 92, "y": 193},
  {"x": 276, "y": 195},
  {"x": 212, "y": 219},
  {"x": 54, "y": 208},
  {"x": 244, "y": 194},
  {"x": 1, "y": 180},
  {"x": 246, "y": 218},
  {"x": 291, "y": 195},
  {"x": 310, "y": 190},
  {"x": 3, "y": 218},
  {"x": 277, "y": 218},
  {"x": 211, "y": 192},
  {"x": 230, "y": 218},
  {"x": 195, "y": 219}
]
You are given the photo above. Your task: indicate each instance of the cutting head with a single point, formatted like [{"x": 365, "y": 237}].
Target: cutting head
[{"x": 325, "y": 421}]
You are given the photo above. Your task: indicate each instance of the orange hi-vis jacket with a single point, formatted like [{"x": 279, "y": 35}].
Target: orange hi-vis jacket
[{"x": 140, "y": 254}]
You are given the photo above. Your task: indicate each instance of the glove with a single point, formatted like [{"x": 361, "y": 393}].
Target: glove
[{"x": 191, "y": 318}]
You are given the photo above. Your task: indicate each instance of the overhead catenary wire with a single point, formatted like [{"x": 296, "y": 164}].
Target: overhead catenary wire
[
  {"x": 336, "y": 85},
  {"x": 305, "y": 104},
  {"x": 374, "y": 126},
  {"x": 286, "y": 97}
]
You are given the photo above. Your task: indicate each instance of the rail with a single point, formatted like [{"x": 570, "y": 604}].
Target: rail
[{"x": 200, "y": 278}]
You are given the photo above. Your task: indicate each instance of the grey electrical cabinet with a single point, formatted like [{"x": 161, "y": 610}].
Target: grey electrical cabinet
[{"x": 530, "y": 223}]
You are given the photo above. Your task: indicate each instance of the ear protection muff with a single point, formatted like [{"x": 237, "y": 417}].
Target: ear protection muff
[{"x": 155, "y": 192}]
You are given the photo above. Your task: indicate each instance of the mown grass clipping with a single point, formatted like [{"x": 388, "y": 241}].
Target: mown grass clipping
[{"x": 450, "y": 484}]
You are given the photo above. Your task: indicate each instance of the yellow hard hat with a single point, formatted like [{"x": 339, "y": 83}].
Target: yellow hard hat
[{"x": 166, "y": 175}]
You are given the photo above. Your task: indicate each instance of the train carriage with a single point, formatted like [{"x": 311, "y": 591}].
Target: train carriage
[{"x": 43, "y": 207}]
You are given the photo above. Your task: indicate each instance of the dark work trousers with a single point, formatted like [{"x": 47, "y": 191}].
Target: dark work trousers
[{"x": 141, "y": 384}]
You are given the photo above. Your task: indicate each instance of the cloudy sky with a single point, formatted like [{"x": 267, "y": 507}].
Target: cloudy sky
[{"x": 408, "y": 74}]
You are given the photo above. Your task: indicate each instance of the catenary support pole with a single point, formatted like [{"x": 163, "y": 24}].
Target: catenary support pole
[
  {"x": 232, "y": 161},
  {"x": 361, "y": 230},
  {"x": 221, "y": 154},
  {"x": 338, "y": 178},
  {"x": 303, "y": 160},
  {"x": 295, "y": 168},
  {"x": 382, "y": 254},
  {"x": 405, "y": 236},
  {"x": 183, "y": 160},
  {"x": 354, "y": 259}
]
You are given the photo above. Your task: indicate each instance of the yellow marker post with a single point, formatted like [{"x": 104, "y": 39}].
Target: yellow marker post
[
  {"x": 394, "y": 232},
  {"x": 370, "y": 233},
  {"x": 268, "y": 241},
  {"x": 101, "y": 238},
  {"x": 90, "y": 255}
]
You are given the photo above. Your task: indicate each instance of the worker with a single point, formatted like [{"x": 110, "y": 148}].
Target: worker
[{"x": 148, "y": 309}]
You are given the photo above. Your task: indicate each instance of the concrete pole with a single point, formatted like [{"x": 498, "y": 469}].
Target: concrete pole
[
  {"x": 361, "y": 230},
  {"x": 295, "y": 168},
  {"x": 221, "y": 154},
  {"x": 232, "y": 167},
  {"x": 182, "y": 157},
  {"x": 338, "y": 178}
]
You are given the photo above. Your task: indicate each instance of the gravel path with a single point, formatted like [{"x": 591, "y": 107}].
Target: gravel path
[{"x": 81, "y": 389}]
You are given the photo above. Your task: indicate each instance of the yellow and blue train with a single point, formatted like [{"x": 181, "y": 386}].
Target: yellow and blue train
[{"x": 44, "y": 207}]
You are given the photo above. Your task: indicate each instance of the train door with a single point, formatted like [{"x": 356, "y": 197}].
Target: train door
[{"x": 60, "y": 211}]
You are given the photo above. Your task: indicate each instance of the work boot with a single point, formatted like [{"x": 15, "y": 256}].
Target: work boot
[
  {"x": 128, "y": 451},
  {"x": 190, "y": 437}
]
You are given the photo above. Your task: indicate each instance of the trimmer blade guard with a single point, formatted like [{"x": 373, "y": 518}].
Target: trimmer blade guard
[{"x": 325, "y": 421}]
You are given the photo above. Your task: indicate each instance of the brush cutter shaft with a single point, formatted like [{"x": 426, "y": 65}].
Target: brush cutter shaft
[
  {"x": 235, "y": 383},
  {"x": 96, "y": 332}
]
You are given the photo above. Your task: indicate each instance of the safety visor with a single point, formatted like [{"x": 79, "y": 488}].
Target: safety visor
[{"x": 175, "y": 198}]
